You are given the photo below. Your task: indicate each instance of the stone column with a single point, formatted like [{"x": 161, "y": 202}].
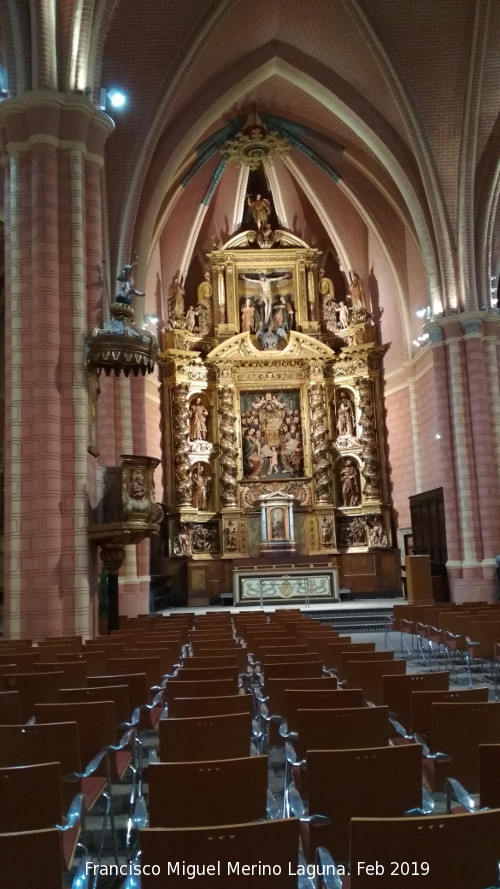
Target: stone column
[{"x": 48, "y": 140}]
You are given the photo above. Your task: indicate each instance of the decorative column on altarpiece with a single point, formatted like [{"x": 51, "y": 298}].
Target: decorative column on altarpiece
[
  {"x": 319, "y": 444},
  {"x": 229, "y": 452},
  {"x": 182, "y": 465},
  {"x": 369, "y": 453}
]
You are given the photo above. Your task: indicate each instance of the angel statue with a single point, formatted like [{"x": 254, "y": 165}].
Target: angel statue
[
  {"x": 127, "y": 281},
  {"x": 261, "y": 209}
]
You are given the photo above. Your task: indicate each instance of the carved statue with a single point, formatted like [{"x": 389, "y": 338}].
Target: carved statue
[
  {"x": 176, "y": 296},
  {"x": 353, "y": 532},
  {"x": 190, "y": 319},
  {"x": 345, "y": 416},
  {"x": 326, "y": 531},
  {"x": 127, "y": 281},
  {"x": 200, "y": 488},
  {"x": 357, "y": 293},
  {"x": 261, "y": 209},
  {"x": 204, "y": 309},
  {"x": 376, "y": 533},
  {"x": 329, "y": 307},
  {"x": 350, "y": 486},
  {"x": 343, "y": 315},
  {"x": 248, "y": 316},
  {"x": 198, "y": 421},
  {"x": 231, "y": 536},
  {"x": 182, "y": 542}
]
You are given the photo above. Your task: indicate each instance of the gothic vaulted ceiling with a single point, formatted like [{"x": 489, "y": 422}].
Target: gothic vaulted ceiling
[{"x": 392, "y": 113}]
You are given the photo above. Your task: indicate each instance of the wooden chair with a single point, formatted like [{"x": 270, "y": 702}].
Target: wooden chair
[
  {"x": 312, "y": 669},
  {"x": 205, "y": 737},
  {"x": 421, "y": 702},
  {"x": 203, "y": 674},
  {"x": 458, "y": 729},
  {"x": 10, "y": 708},
  {"x": 32, "y": 859},
  {"x": 318, "y": 699},
  {"x": 272, "y": 705},
  {"x": 75, "y": 672},
  {"x": 96, "y": 721},
  {"x": 196, "y": 794},
  {"x": 343, "y": 728},
  {"x": 397, "y": 691},
  {"x": 210, "y": 706},
  {"x": 119, "y": 694},
  {"x": 372, "y": 782},
  {"x": 368, "y": 675},
  {"x": 94, "y": 659},
  {"x": 176, "y": 688},
  {"x": 271, "y": 846},
  {"x": 459, "y": 851},
  {"x": 31, "y": 799},
  {"x": 33, "y": 688},
  {"x": 335, "y": 650}
]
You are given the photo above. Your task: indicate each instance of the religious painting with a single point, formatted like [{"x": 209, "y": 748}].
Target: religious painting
[
  {"x": 271, "y": 435},
  {"x": 266, "y": 306}
]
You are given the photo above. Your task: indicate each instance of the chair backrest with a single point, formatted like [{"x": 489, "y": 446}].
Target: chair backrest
[
  {"x": 176, "y": 688},
  {"x": 210, "y": 706},
  {"x": 120, "y": 694},
  {"x": 137, "y": 683},
  {"x": 215, "y": 660},
  {"x": 275, "y": 688},
  {"x": 301, "y": 668},
  {"x": 75, "y": 672},
  {"x": 195, "y": 794},
  {"x": 96, "y": 721},
  {"x": 435, "y": 851},
  {"x": 341, "y": 729},
  {"x": 31, "y": 859},
  {"x": 421, "y": 702},
  {"x": 151, "y": 666},
  {"x": 318, "y": 699},
  {"x": 23, "y": 745},
  {"x": 335, "y": 649},
  {"x": 397, "y": 691},
  {"x": 489, "y": 775},
  {"x": 197, "y": 674},
  {"x": 10, "y": 708},
  {"x": 95, "y": 659},
  {"x": 205, "y": 737},
  {"x": 368, "y": 676},
  {"x": 459, "y": 729},
  {"x": 33, "y": 688},
  {"x": 269, "y": 847},
  {"x": 30, "y": 797},
  {"x": 372, "y": 782}
]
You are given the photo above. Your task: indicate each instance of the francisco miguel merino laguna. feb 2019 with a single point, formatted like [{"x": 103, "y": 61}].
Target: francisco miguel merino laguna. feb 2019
[{"x": 217, "y": 869}]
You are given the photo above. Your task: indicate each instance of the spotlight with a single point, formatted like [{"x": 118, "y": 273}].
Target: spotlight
[
  {"x": 113, "y": 98},
  {"x": 151, "y": 319},
  {"x": 437, "y": 435},
  {"x": 420, "y": 313},
  {"x": 117, "y": 98}
]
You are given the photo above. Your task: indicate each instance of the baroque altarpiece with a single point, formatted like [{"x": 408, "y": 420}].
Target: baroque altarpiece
[{"x": 271, "y": 382}]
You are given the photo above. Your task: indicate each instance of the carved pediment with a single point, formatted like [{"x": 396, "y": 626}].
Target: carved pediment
[{"x": 242, "y": 348}]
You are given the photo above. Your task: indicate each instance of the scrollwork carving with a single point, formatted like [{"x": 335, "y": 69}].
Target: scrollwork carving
[
  {"x": 183, "y": 484},
  {"x": 319, "y": 444},
  {"x": 229, "y": 454}
]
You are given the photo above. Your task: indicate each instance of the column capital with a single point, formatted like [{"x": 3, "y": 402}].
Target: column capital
[{"x": 49, "y": 117}]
